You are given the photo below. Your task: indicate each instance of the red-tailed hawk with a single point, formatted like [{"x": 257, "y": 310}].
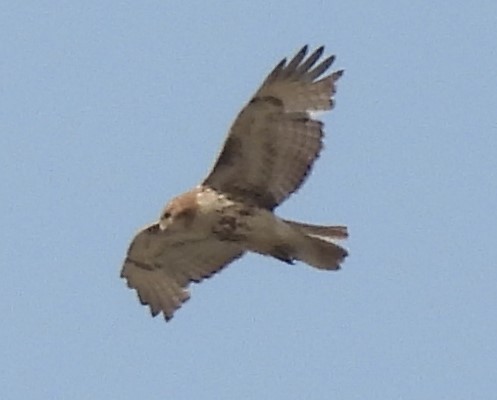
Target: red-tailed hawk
[{"x": 269, "y": 151}]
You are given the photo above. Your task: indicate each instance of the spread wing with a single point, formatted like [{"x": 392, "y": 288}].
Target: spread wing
[
  {"x": 274, "y": 141},
  {"x": 160, "y": 266}
]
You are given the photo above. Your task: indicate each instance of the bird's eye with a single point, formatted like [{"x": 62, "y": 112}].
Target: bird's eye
[{"x": 166, "y": 215}]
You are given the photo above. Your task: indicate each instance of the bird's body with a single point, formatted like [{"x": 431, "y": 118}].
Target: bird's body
[{"x": 269, "y": 152}]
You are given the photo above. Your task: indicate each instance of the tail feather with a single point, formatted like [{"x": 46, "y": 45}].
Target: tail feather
[
  {"x": 327, "y": 232},
  {"x": 315, "y": 248},
  {"x": 321, "y": 254}
]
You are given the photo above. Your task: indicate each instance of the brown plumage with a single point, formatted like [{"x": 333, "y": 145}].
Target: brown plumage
[{"x": 269, "y": 152}]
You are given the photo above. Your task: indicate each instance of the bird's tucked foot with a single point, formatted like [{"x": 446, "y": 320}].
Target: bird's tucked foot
[{"x": 283, "y": 253}]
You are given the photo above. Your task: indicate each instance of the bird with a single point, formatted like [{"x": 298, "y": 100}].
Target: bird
[{"x": 267, "y": 155}]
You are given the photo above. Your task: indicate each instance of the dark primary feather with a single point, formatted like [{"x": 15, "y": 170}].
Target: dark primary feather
[{"x": 311, "y": 60}]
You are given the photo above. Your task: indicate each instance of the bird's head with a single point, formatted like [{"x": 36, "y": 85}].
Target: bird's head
[{"x": 179, "y": 212}]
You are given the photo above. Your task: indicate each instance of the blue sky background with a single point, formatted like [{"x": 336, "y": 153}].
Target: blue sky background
[{"x": 108, "y": 109}]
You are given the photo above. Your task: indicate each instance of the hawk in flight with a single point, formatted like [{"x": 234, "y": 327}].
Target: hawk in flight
[{"x": 269, "y": 152}]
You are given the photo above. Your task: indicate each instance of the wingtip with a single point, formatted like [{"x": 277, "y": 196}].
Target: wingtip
[
  {"x": 280, "y": 65},
  {"x": 317, "y": 53},
  {"x": 303, "y": 51},
  {"x": 320, "y": 49}
]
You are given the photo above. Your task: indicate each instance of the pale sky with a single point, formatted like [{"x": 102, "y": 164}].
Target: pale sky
[{"x": 109, "y": 109}]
